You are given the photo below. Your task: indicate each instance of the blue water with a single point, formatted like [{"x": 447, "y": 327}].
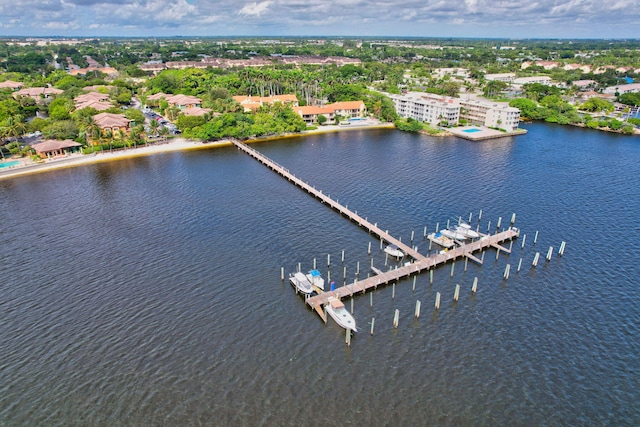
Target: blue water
[
  {"x": 471, "y": 130},
  {"x": 147, "y": 291},
  {"x": 9, "y": 164}
]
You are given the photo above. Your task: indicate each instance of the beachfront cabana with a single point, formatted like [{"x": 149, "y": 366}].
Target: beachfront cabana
[{"x": 54, "y": 147}]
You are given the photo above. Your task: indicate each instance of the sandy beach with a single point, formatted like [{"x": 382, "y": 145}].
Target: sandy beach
[{"x": 28, "y": 167}]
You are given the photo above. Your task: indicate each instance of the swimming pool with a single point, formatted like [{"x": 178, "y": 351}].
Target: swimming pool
[
  {"x": 471, "y": 130},
  {"x": 9, "y": 164}
]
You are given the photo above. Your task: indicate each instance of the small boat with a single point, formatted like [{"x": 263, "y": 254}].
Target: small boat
[
  {"x": 441, "y": 240},
  {"x": 394, "y": 251},
  {"x": 339, "y": 313},
  {"x": 316, "y": 280},
  {"x": 460, "y": 232},
  {"x": 301, "y": 283}
]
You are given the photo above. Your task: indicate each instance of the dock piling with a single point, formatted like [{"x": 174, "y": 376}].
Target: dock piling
[
  {"x": 348, "y": 337},
  {"x": 507, "y": 269},
  {"x": 499, "y": 222},
  {"x": 513, "y": 218},
  {"x": 396, "y": 318},
  {"x": 474, "y": 287},
  {"x": 373, "y": 322},
  {"x": 282, "y": 273},
  {"x": 561, "y": 250},
  {"x": 524, "y": 239},
  {"x": 314, "y": 263},
  {"x": 437, "y": 300},
  {"x": 328, "y": 260},
  {"x": 456, "y": 293},
  {"x": 535, "y": 259},
  {"x": 549, "y": 253},
  {"x": 519, "y": 265},
  {"x": 480, "y": 215},
  {"x": 343, "y": 256},
  {"x": 369, "y": 249},
  {"x": 535, "y": 238},
  {"x": 393, "y": 290},
  {"x": 431, "y": 276},
  {"x": 414, "y": 283},
  {"x": 453, "y": 267},
  {"x": 424, "y": 233},
  {"x": 417, "y": 312}
]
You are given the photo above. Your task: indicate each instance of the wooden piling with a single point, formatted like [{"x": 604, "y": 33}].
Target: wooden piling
[
  {"x": 535, "y": 259},
  {"x": 470, "y": 215},
  {"x": 357, "y": 268},
  {"x": 466, "y": 261},
  {"x": 488, "y": 226},
  {"x": 437, "y": 225},
  {"x": 328, "y": 260},
  {"x": 314, "y": 263},
  {"x": 513, "y": 218},
  {"x": 393, "y": 290},
  {"x": 456, "y": 293},
  {"x": 343, "y": 256},
  {"x": 282, "y": 273},
  {"x": 474, "y": 287},
  {"x": 499, "y": 222},
  {"x": 549, "y": 253},
  {"x": 497, "y": 254},
  {"x": 561, "y": 250},
  {"x": 437, "y": 300},
  {"x": 507, "y": 269},
  {"x": 519, "y": 265},
  {"x": 351, "y": 305},
  {"x": 453, "y": 267},
  {"x": 348, "y": 337},
  {"x": 369, "y": 249},
  {"x": 535, "y": 238},
  {"x": 370, "y": 299},
  {"x": 414, "y": 283},
  {"x": 412, "y": 236},
  {"x": 373, "y": 322},
  {"x": 299, "y": 267},
  {"x": 524, "y": 239},
  {"x": 417, "y": 312},
  {"x": 396, "y": 318},
  {"x": 431, "y": 276},
  {"x": 480, "y": 215},
  {"x": 424, "y": 233}
]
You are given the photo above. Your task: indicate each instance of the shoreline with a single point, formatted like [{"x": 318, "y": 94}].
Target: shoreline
[{"x": 174, "y": 145}]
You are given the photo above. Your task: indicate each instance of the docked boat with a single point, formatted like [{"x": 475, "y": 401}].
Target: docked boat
[
  {"x": 339, "y": 313},
  {"x": 460, "y": 232},
  {"x": 394, "y": 251},
  {"x": 301, "y": 283},
  {"x": 316, "y": 280},
  {"x": 439, "y": 239}
]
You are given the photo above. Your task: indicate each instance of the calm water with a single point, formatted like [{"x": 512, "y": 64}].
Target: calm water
[{"x": 148, "y": 291}]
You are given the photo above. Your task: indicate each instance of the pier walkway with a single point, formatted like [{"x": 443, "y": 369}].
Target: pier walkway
[
  {"x": 423, "y": 264},
  {"x": 353, "y": 216}
]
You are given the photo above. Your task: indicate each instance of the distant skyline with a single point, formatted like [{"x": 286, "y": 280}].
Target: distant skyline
[{"x": 566, "y": 19}]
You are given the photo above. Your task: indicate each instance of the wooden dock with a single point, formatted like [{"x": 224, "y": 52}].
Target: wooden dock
[
  {"x": 362, "y": 222},
  {"x": 417, "y": 267}
]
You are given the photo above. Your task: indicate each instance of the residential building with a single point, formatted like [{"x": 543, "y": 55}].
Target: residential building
[
  {"x": 114, "y": 123},
  {"x": 501, "y": 77},
  {"x": 253, "y": 103},
  {"x": 8, "y": 84},
  {"x": 490, "y": 114},
  {"x": 428, "y": 108},
  {"x": 95, "y": 100},
  {"x": 434, "y": 109},
  {"x": 545, "y": 80},
  {"x": 54, "y": 147},
  {"x": 345, "y": 109},
  {"x": 622, "y": 89},
  {"x": 181, "y": 101},
  {"x": 38, "y": 93}
]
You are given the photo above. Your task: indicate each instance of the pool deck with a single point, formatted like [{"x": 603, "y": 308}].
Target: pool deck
[{"x": 482, "y": 133}]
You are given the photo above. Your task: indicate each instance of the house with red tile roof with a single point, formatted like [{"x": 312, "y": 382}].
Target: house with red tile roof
[
  {"x": 114, "y": 123},
  {"x": 253, "y": 103},
  {"x": 96, "y": 100},
  {"x": 54, "y": 147},
  {"x": 8, "y": 84},
  {"x": 346, "y": 109},
  {"x": 38, "y": 93}
]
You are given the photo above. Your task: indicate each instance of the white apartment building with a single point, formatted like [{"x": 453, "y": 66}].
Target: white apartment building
[
  {"x": 434, "y": 109},
  {"x": 622, "y": 89},
  {"x": 428, "y": 108},
  {"x": 501, "y": 77},
  {"x": 490, "y": 114}
]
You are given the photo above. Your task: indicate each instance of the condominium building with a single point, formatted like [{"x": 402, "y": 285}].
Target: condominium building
[
  {"x": 435, "y": 109},
  {"x": 429, "y": 108}
]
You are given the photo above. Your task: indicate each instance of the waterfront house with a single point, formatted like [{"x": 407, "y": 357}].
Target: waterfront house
[
  {"x": 253, "y": 103},
  {"x": 53, "y": 147},
  {"x": 114, "y": 123}
]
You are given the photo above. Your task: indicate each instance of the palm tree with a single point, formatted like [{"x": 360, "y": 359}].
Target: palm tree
[
  {"x": 14, "y": 126},
  {"x": 91, "y": 129}
]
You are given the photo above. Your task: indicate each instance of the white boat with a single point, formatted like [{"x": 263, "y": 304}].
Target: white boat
[
  {"x": 441, "y": 240},
  {"x": 394, "y": 251},
  {"x": 301, "y": 283},
  {"x": 316, "y": 279},
  {"x": 339, "y": 313},
  {"x": 460, "y": 232}
]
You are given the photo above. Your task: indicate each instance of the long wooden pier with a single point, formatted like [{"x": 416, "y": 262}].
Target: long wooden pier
[
  {"x": 353, "y": 216},
  {"x": 417, "y": 267},
  {"x": 421, "y": 263}
]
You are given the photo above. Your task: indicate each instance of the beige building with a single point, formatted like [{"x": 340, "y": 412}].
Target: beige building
[{"x": 428, "y": 108}]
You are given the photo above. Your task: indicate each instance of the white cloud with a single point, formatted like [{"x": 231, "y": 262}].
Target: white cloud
[
  {"x": 255, "y": 9},
  {"x": 480, "y": 18}
]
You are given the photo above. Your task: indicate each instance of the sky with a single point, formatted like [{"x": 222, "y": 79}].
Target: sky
[{"x": 396, "y": 18}]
